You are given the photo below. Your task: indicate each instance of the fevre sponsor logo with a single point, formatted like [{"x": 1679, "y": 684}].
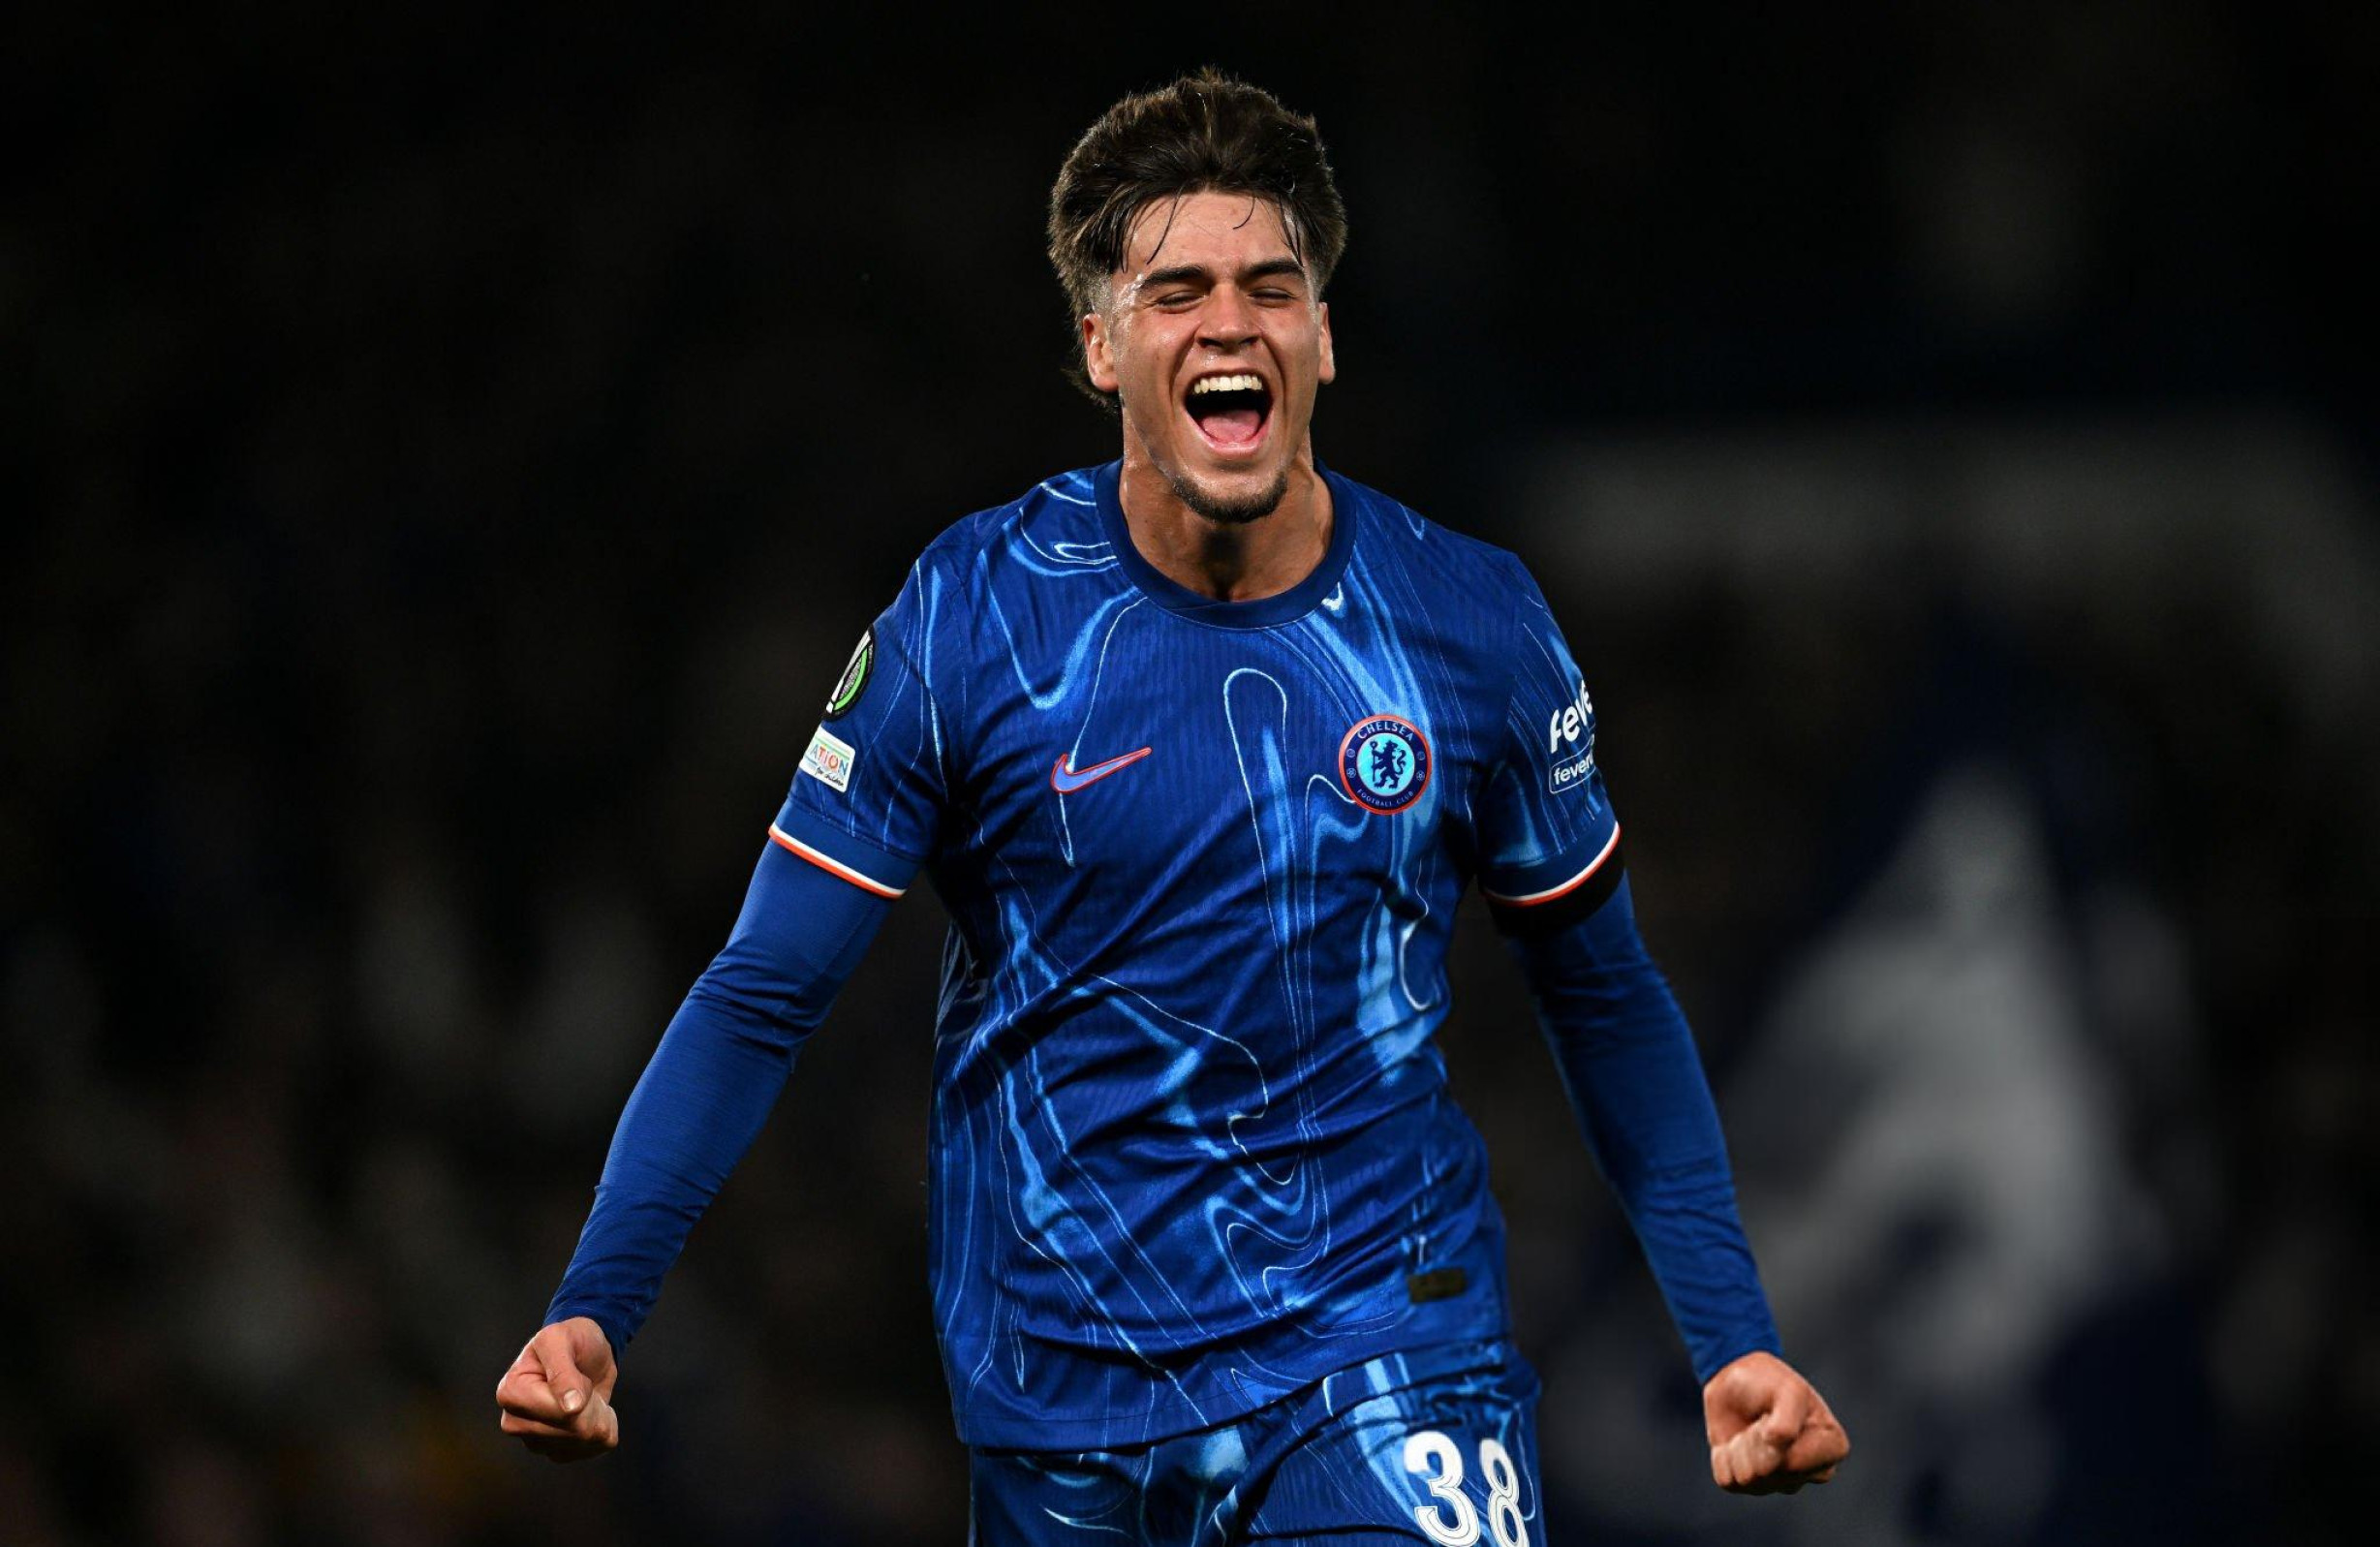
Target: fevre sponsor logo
[
  {"x": 1567, "y": 725},
  {"x": 1570, "y": 722}
]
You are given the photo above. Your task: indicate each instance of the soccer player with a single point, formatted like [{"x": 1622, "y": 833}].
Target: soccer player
[{"x": 1200, "y": 749}]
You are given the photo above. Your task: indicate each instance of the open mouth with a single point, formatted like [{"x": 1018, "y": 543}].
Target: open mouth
[{"x": 1231, "y": 411}]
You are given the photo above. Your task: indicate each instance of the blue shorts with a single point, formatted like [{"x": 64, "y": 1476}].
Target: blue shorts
[{"x": 1437, "y": 1445}]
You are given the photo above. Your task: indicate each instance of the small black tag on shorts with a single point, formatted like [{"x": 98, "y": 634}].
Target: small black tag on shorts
[{"x": 1439, "y": 1283}]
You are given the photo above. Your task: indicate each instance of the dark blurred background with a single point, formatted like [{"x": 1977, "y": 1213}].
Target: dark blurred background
[{"x": 449, "y": 458}]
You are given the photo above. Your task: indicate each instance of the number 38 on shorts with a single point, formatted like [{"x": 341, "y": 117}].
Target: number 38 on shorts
[{"x": 1452, "y": 1520}]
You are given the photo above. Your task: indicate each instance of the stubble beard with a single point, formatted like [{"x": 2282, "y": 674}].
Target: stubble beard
[{"x": 1223, "y": 510}]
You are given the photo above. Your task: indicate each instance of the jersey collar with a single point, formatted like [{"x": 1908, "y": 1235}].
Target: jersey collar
[{"x": 1284, "y": 606}]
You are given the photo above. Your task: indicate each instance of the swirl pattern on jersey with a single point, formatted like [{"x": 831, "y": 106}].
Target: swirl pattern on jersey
[{"x": 1192, "y": 1146}]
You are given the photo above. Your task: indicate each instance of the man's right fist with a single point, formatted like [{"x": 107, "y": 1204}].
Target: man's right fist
[{"x": 557, "y": 1396}]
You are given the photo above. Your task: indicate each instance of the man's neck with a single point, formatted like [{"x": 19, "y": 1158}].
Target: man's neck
[{"x": 1229, "y": 561}]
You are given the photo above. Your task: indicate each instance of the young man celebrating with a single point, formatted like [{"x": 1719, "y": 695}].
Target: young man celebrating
[{"x": 1200, "y": 749}]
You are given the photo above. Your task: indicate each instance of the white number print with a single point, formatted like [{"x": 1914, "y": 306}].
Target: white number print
[
  {"x": 1430, "y": 1454},
  {"x": 1427, "y": 1450},
  {"x": 1505, "y": 1517}
]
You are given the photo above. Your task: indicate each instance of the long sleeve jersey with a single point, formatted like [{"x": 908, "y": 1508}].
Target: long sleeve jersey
[{"x": 1191, "y": 1144}]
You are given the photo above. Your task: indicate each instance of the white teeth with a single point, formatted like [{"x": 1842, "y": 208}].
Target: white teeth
[{"x": 1227, "y": 384}]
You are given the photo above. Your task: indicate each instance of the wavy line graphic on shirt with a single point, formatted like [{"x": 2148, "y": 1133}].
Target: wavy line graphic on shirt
[
  {"x": 1010, "y": 1131},
  {"x": 1391, "y": 1035},
  {"x": 1298, "y": 1221},
  {"x": 1081, "y": 497},
  {"x": 1071, "y": 1225},
  {"x": 1053, "y": 693},
  {"x": 1067, "y": 1219},
  {"x": 1061, "y": 558},
  {"x": 1286, "y": 1214},
  {"x": 1066, "y": 827},
  {"x": 1228, "y": 1215},
  {"x": 910, "y": 739},
  {"x": 1394, "y": 1013},
  {"x": 1049, "y": 1221},
  {"x": 1057, "y": 1228}
]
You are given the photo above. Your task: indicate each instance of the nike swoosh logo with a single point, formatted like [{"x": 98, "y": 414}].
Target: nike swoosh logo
[{"x": 1066, "y": 781}]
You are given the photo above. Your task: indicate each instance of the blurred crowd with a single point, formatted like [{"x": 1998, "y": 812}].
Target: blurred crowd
[{"x": 459, "y": 454}]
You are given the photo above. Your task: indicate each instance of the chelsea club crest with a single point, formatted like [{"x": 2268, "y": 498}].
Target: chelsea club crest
[{"x": 1384, "y": 763}]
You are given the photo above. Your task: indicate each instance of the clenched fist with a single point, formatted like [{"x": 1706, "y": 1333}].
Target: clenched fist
[
  {"x": 557, "y": 1396},
  {"x": 1770, "y": 1430}
]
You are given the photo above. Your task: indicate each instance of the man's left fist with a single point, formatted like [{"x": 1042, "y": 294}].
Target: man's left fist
[{"x": 1770, "y": 1430}]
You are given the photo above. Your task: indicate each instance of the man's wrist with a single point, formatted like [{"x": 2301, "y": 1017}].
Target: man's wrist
[
  {"x": 1749, "y": 1342},
  {"x": 605, "y": 1319}
]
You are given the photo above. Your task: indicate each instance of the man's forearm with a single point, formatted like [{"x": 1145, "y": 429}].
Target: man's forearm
[
  {"x": 1636, "y": 1083},
  {"x": 712, "y": 1083}
]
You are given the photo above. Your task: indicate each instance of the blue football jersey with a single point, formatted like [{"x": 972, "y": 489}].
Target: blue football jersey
[{"x": 1192, "y": 1146}]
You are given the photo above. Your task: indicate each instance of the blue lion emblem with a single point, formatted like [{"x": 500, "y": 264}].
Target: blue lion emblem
[{"x": 1384, "y": 763}]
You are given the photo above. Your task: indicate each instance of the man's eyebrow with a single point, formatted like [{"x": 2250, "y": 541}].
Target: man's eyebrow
[
  {"x": 1271, "y": 267},
  {"x": 1187, "y": 273}
]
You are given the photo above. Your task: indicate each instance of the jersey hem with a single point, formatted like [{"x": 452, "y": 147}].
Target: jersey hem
[{"x": 1108, "y": 1431}]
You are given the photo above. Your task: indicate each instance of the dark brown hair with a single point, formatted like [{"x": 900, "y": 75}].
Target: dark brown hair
[{"x": 1205, "y": 133}]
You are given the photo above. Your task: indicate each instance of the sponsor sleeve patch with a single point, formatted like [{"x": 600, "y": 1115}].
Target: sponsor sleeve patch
[
  {"x": 829, "y": 760},
  {"x": 1572, "y": 775}
]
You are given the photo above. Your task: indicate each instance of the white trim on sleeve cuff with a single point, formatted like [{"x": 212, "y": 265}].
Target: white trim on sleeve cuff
[
  {"x": 1533, "y": 899},
  {"x": 831, "y": 865}
]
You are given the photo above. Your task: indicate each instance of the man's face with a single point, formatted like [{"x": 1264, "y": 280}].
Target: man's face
[{"x": 1216, "y": 342}]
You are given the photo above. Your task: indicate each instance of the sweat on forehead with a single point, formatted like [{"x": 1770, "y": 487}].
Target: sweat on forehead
[
  {"x": 1160, "y": 223},
  {"x": 1158, "y": 220}
]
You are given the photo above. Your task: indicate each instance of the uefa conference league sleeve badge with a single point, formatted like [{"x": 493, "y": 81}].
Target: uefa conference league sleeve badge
[
  {"x": 855, "y": 679},
  {"x": 830, "y": 758}
]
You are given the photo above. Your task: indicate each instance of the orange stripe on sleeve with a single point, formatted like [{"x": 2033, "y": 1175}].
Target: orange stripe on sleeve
[
  {"x": 832, "y": 866},
  {"x": 1533, "y": 899}
]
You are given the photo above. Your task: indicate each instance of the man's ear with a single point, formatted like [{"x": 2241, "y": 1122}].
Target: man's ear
[
  {"x": 1330, "y": 362},
  {"x": 1099, "y": 359}
]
